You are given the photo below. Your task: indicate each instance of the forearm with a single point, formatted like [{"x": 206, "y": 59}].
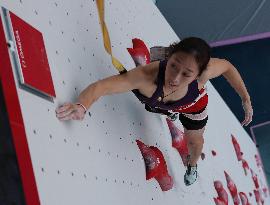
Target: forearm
[
  {"x": 89, "y": 95},
  {"x": 235, "y": 80}
]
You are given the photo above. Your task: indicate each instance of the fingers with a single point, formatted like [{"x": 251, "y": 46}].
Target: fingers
[
  {"x": 245, "y": 122},
  {"x": 248, "y": 112},
  {"x": 248, "y": 119},
  {"x": 64, "y": 112},
  {"x": 62, "y": 108},
  {"x": 66, "y": 117},
  {"x": 68, "y": 111}
]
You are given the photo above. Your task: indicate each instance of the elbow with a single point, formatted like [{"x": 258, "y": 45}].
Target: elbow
[{"x": 227, "y": 67}]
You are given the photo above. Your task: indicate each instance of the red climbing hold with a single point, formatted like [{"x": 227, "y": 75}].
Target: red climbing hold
[
  {"x": 254, "y": 178},
  {"x": 232, "y": 188},
  {"x": 155, "y": 165},
  {"x": 178, "y": 141},
  {"x": 244, "y": 198},
  {"x": 139, "y": 53},
  {"x": 218, "y": 201},
  {"x": 245, "y": 166},
  {"x": 237, "y": 148},
  {"x": 222, "y": 194},
  {"x": 258, "y": 197}
]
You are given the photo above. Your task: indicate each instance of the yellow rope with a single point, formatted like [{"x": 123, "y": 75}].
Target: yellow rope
[{"x": 106, "y": 38}]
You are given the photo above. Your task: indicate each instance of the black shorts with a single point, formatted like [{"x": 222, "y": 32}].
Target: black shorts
[{"x": 190, "y": 122}]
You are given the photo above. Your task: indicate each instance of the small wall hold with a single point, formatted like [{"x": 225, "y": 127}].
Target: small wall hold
[
  {"x": 202, "y": 156},
  {"x": 265, "y": 191},
  {"x": 214, "y": 153}
]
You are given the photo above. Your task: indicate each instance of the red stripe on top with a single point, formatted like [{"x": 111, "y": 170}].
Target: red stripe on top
[{"x": 199, "y": 105}]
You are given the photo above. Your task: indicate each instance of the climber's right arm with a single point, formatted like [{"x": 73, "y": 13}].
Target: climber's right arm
[{"x": 133, "y": 79}]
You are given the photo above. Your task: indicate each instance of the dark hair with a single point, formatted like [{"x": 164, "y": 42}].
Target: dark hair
[{"x": 197, "y": 47}]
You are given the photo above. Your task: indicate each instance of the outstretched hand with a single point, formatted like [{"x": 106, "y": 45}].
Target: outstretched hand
[
  {"x": 248, "y": 112},
  {"x": 70, "y": 111}
]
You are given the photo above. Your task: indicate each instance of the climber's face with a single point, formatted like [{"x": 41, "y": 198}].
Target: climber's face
[{"x": 181, "y": 70}]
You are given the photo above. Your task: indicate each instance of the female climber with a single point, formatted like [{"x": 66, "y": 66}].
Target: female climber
[{"x": 174, "y": 86}]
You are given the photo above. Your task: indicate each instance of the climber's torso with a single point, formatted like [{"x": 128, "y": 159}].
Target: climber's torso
[{"x": 150, "y": 86}]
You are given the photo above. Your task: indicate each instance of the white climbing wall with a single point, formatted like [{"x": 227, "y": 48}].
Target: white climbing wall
[{"x": 97, "y": 161}]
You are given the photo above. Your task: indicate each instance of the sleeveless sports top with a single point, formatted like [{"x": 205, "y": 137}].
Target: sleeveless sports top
[{"x": 190, "y": 97}]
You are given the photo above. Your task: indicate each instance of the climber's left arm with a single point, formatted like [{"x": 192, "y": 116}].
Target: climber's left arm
[{"x": 217, "y": 67}]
